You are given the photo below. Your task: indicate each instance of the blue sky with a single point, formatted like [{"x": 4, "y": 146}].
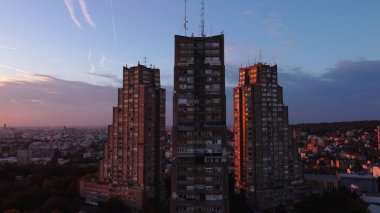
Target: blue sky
[{"x": 80, "y": 42}]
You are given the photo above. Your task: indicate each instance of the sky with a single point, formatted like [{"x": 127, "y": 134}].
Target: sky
[{"x": 61, "y": 61}]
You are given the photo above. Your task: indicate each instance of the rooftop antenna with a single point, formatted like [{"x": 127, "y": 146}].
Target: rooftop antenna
[
  {"x": 202, "y": 26},
  {"x": 145, "y": 60},
  {"x": 185, "y": 19},
  {"x": 260, "y": 57}
]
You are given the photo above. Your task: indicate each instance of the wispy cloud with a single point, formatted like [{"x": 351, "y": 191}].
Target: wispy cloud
[
  {"x": 6, "y": 47},
  {"x": 239, "y": 52},
  {"x": 273, "y": 24},
  {"x": 13, "y": 68},
  {"x": 89, "y": 55},
  {"x": 70, "y": 8},
  {"x": 86, "y": 14},
  {"x": 56, "y": 102},
  {"x": 273, "y": 28},
  {"x": 22, "y": 76},
  {"x": 248, "y": 12},
  {"x": 100, "y": 70},
  {"x": 274, "y": 14},
  {"x": 38, "y": 101},
  {"x": 14, "y": 101},
  {"x": 104, "y": 75},
  {"x": 287, "y": 42},
  {"x": 113, "y": 23},
  {"x": 92, "y": 67},
  {"x": 102, "y": 61},
  {"x": 60, "y": 60}
]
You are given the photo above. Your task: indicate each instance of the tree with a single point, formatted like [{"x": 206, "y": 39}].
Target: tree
[
  {"x": 55, "y": 204},
  {"x": 114, "y": 205},
  {"x": 338, "y": 201}
]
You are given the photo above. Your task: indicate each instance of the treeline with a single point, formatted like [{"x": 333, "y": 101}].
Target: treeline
[
  {"x": 37, "y": 188},
  {"x": 337, "y": 201},
  {"x": 323, "y": 128}
]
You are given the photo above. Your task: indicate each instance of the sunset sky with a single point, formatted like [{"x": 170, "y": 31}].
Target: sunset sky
[{"x": 61, "y": 60}]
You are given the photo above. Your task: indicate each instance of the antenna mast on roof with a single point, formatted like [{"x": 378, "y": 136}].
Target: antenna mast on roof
[
  {"x": 185, "y": 19},
  {"x": 260, "y": 57},
  {"x": 145, "y": 58},
  {"x": 202, "y": 26}
]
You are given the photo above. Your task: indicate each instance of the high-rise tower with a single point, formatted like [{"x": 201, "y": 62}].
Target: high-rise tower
[
  {"x": 132, "y": 166},
  {"x": 266, "y": 163},
  {"x": 199, "y": 181}
]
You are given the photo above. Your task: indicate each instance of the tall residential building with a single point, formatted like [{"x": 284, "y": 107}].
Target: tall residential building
[
  {"x": 200, "y": 173},
  {"x": 132, "y": 168},
  {"x": 266, "y": 162}
]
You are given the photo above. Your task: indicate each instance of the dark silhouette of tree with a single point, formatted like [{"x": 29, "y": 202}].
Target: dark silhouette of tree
[
  {"x": 338, "y": 201},
  {"x": 37, "y": 188},
  {"x": 114, "y": 205},
  {"x": 55, "y": 204},
  {"x": 150, "y": 206},
  {"x": 12, "y": 211}
]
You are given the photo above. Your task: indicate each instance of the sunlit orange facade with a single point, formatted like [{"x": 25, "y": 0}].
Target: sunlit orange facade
[
  {"x": 132, "y": 169},
  {"x": 266, "y": 162}
]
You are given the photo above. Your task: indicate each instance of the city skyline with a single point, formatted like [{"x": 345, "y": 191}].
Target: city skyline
[{"x": 52, "y": 69}]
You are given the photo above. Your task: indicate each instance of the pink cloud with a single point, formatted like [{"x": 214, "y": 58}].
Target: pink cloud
[{"x": 55, "y": 102}]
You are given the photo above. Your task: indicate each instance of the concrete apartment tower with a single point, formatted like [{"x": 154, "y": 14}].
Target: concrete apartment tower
[
  {"x": 266, "y": 162},
  {"x": 200, "y": 173},
  {"x": 132, "y": 168}
]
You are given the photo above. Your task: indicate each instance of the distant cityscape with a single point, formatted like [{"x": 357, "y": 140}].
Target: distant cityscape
[{"x": 333, "y": 154}]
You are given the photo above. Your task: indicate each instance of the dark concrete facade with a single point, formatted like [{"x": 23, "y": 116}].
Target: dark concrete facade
[
  {"x": 132, "y": 169},
  {"x": 200, "y": 173}
]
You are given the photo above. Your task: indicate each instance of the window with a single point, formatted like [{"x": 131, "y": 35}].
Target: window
[
  {"x": 182, "y": 101},
  {"x": 208, "y": 169},
  {"x": 212, "y": 44},
  {"x": 212, "y": 87},
  {"x": 212, "y": 60},
  {"x": 216, "y": 100}
]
